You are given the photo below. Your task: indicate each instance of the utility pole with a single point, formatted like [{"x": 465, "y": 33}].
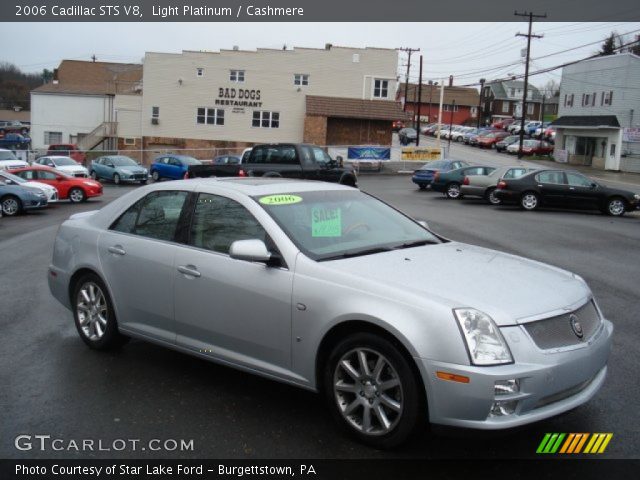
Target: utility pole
[
  {"x": 480, "y": 104},
  {"x": 430, "y": 99},
  {"x": 419, "y": 104},
  {"x": 440, "y": 110},
  {"x": 453, "y": 108},
  {"x": 406, "y": 83},
  {"x": 529, "y": 35}
]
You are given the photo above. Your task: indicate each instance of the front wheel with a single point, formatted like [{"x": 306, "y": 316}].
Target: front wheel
[
  {"x": 615, "y": 207},
  {"x": 116, "y": 179},
  {"x": 155, "y": 175},
  {"x": 529, "y": 201},
  {"x": 143, "y": 182},
  {"x": 77, "y": 195},
  {"x": 94, "y": 315},
  {"x": 11, "y": 206},
  {"x": 491, "y": 198},
  {"x": 372, "y": 391},
  {"x": 453, "y": 191},
  {"x": 93, "y": 175}
]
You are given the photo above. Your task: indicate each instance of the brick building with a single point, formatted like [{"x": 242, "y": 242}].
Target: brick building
[{"x": 459, "y": 105}]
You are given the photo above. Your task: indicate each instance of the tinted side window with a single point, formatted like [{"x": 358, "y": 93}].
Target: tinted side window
[
  {"x": 46, "y": 175},
  {"x": 156, "y": 216},
  {"x": 474, "y": 171},
  {"x": 515, "y": 173},
  {"x": 220, "y": 221},
  {"x": 27, "y": 174},
  {"x": 577, "y": 180},
  {"x": 554, "y": 178}
]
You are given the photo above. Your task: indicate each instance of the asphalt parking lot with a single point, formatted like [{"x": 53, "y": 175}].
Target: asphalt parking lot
[{"x": 53, "y": 384}]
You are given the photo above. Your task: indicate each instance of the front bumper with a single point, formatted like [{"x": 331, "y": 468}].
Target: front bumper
[
  {"x": 550, "y": 382},
  {"x": 34, "y": 204}
]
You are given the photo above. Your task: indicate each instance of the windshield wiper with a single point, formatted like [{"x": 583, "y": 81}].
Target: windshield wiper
[
  {"x": 415, "y": 243},
  {"x": 356, "y": 253}
]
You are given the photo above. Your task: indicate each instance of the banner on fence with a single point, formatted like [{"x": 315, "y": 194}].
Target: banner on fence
[
  {"x": 561, "y": 156},
  {"x": 421, "y": 154},
  {"x": 369, "y": 153},
  {"x": 631, "y": 135}
]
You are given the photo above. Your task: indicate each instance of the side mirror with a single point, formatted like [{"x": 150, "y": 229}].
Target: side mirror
[
  {"x": 340, "y": 161},
  {"x": 253, "y": 250},
  {"x": 594, "y": 185}
]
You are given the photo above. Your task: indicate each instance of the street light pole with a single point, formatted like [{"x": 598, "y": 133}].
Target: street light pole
[
  {"x": 453, "y": 107},
  {"x": 480, "y": 106}
]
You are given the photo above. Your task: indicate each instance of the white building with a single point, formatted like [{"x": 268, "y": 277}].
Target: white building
[{"x": 599, "y": 113}]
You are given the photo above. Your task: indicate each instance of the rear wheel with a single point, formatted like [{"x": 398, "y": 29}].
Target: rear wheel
[
  {"x": 11, "y": 205},
  {"x": 94, "y": 315},
  {"x": 422, "y": 186},
  {"x": 77, "y": 195},
  {"x": 616, "y": 207},
  {"x": 529, "y": 201},
  {"x": 453, "y": 190},
  {"x": 372, "y": 391},
  {"x": 490, "y": 197}
]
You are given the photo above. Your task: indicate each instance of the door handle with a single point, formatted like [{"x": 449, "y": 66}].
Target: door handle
[
  {"x": 117, "y": 250},
  {"x": 189, "y": 270}
]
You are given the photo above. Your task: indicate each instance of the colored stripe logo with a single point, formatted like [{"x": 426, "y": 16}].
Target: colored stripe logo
[{"x": 573, "y": 443}]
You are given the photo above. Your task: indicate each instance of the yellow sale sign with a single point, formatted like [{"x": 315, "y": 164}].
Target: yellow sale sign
[{"x": 421, "y": 154}]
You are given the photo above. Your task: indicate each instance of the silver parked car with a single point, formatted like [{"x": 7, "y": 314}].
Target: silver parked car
[
  {"x": 485, "y": 185},
  {"x": 327, "y": 288}
]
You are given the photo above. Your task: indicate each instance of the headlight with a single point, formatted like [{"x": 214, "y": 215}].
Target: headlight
[
  {"x": 485, "y": 343},
  {"x": 636, "y": 196}
]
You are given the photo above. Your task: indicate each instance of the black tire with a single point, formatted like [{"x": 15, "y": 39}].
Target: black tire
[
  {"x": 111, "y": 337},
  {"x": 348, "y": 180},
  {"x": 116, "y": 179},
  {"x": 453, "y": 191},
  {"x": 272, "y": 175},
  {"x": 143, "y": 182},
  {"x": 422, "y": 186},
  {"x": 155, "y": 175},
  {"x": 409, "y": 393},
  {"x": 77, "y": 195},
  {"x": 615, "y": 207},
  {"x": 490, "y": 198},
  {"x": 11, "y": 205},
  {"x": 93, "y": 175},
  {"x": 529, "y": 201}
]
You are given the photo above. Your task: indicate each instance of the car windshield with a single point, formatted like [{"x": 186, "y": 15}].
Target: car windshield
[
  {"x": 122, "y": 161},
  {"x": 329, "y": 225},
  {"x": 530, "y": 143},
  {"x": 10, "y": 176},
  {"x": 189, "y": 160},
  {"x": 63, "y": 174},
  {"x": 64, "y": 161},
  {"x": 436, "y": 164},
  {"x": 7, "y": 155}
]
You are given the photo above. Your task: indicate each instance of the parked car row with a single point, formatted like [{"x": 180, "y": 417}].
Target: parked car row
[{"x": 530, "y": 188}]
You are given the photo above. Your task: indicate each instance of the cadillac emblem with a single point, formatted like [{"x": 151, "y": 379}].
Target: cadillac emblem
[{"x": 575, "y": 325}]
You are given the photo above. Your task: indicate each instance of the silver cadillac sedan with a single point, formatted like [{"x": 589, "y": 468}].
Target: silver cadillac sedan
[{"x": 330, "y": 289}]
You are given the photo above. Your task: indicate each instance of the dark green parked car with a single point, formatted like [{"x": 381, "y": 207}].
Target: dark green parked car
[{"x": 449, "y": 182}]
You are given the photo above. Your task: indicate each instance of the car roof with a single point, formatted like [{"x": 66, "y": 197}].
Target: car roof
[
  {"x": 53, "y": 157},
  {"x": 252, "y": 186}
]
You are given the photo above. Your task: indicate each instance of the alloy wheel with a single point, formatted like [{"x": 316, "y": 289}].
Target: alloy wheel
[
  {"x": 76, "y": 195},
  {"x": 529, "y": 201},
  {"x": 116, "y": 179},
  {"x": 91, "y": 308},
  {"x": 493, "y": 199},
  {"x": 368, "y": 391},
  {"x": 94, "y": 175},
  {"x": 616, "y": 207},
  {"x": 453, "y": 190},
  {"x": 10, "y": 206}
]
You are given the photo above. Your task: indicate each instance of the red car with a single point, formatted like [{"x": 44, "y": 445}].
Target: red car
[
  {"x": 72, "y": 188},
  {"x": 68, "y": 150},
  {"x": 397, "y": 125},
  {"x": 536, "y": 147},
  {"x": 503, "y": 123},
  {"x": 490, "y": 139}
]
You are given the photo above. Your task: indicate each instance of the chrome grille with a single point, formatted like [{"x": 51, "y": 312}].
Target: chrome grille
[{"x": 557, "y": 332}]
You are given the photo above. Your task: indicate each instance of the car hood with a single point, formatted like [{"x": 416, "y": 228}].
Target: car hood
[
  {"x": 509, "y": 288},
  {"x": 131, "y": 170}
]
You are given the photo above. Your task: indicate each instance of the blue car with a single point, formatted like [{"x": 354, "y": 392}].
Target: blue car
[
  {"x": 173, "y": 167},
  {"x": 424, "y": 175},
  {"x": 15, "y": 199},
  {"x": 118, "y": 168}
]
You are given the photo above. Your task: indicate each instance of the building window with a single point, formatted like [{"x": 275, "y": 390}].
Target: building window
[
  {"x": 448, "y": 108},
  {"x": 530, "y": 107},
  {"x": 380, "y": 88},
  {"x": 129, "y": 141},
  {"x": 200, "y": 72},
  {"x": 513, "y": 92},
  {"x": 51, "y": 138},
  {"x": 505, "y": 107},
  {"x": 586, "y": 99},
  {"x": 607, "y": 98},
  {"x": 210, "y": 116},
  {"x": 355, "y": 58},
  {"x": 474, "y": 112},
  {"x": 264, "y": 119},
  {"x": 236, "y": 76},
  {"x": 301, "y": 79},
  {"x": 155, "y": 112}
]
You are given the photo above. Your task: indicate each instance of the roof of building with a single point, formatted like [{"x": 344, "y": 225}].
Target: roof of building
[
  {"x": 355, "y": 108},
  {"x": 94, "y": 78},
  {"x": 500, "y": 89},
  {"x": 587, "y": 121},
  {"x": 431, "y": 94}
]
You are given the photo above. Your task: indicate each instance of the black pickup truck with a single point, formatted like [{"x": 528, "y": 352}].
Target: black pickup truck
[{"x": 287, "y": 160}]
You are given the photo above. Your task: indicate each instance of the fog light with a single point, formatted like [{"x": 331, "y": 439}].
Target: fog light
[
  {"x": 500, "y": 408},
  {"x": 506, "y": 387}
]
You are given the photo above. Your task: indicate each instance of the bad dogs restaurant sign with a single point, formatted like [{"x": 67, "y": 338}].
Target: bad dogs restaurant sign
[{"x": 238, "y": 97}]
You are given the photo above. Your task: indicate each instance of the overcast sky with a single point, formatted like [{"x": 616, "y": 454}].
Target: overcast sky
[{"x": 469, "y": 51}]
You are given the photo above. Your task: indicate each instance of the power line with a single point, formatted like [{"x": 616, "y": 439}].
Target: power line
[{"x": 406, "y": 83}]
